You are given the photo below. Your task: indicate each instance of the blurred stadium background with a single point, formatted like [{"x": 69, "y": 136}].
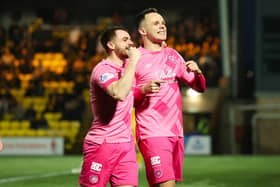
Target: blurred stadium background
[{"x": 47, "y": 52}]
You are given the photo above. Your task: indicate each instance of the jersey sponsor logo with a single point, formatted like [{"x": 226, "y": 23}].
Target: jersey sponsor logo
[
  {"x": 96, "y": 166},
  {"x": 106, "y": 76},
  {"x": 167, "y": 74},
  {"x": 155, "y": 160},
  {"x": 93, "y": 179}
]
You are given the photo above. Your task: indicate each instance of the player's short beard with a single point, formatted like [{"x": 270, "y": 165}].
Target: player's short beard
[{"x": 123, "y": 54}]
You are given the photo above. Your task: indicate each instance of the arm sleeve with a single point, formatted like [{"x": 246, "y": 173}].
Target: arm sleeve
[
  {"x": 138, "y": 95},
  {"x": 199, "y": 83},
  {"x": 195, "y": 81},
  {"x": 104, "y": 76}
]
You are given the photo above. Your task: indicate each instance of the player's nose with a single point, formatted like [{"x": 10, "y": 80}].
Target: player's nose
[{"x": 131, "y": 43}]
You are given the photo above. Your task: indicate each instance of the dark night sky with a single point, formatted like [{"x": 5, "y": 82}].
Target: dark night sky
[{"x": 90, "y": 9}]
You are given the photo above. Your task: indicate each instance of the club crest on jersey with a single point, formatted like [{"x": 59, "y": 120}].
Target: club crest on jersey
[
  {"x": 172, "y": 59},
  {"x": 96, "y": 166},
  {"x": 106, "y": 76},
  {"x": 93, "y": 179},
  {"x": 155, "y": 160},
  {"x": 158, "y": 173}
]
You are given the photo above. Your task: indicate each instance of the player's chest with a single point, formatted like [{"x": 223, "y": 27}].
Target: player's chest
[{"x": 157, "y": 69}]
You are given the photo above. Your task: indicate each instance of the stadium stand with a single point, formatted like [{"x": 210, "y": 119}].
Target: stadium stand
[{"x": 45, "y": 71}]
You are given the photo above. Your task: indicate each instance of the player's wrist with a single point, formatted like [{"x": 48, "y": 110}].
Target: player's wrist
[
  {"x": 133, "y": 61},
  {"x": 198, "y": 72},
  {"x": 143, "y": 90}
]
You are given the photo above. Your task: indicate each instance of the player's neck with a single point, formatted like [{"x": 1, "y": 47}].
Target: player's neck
[
  {"x": 152, "y": 46},
  {"x": 115, "y": 59}
]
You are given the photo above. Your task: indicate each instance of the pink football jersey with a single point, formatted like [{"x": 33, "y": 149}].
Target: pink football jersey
[
  {"x": 112, "y": 118},
  {"x": 160, "y": 114}
]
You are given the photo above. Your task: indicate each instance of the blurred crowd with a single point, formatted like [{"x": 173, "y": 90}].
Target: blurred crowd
[{"x": 53, "y": 62}]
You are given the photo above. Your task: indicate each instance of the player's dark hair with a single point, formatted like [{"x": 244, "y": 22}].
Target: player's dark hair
[
  {"x": 141, "y": 16},
  {"x": 109, "y": 34}
]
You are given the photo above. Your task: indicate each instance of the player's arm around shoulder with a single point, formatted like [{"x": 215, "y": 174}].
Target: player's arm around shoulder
[{"x": 121, "y": 88}]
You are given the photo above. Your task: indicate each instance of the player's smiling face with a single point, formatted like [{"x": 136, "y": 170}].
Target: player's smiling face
[
  {"x": 155, "y": 27},
  {"x": 122, "y": 42}
]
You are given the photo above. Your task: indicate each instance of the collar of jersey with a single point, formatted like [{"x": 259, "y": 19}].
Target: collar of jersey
[
  {"x": 147, "y": 51},
  {"x": 114, "y": 65}
]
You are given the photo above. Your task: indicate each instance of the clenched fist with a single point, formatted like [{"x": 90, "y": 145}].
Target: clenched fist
[{"x": 134, "y": 54}]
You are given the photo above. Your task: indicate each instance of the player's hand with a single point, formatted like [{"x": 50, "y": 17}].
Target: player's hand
[
  {"x": 134, "y": 54},
  {"x": 152, "y": 87},
  {"x": 192, "y": 66}
]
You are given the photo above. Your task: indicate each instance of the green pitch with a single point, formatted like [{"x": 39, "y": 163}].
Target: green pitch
[{"x": 199, "y": 171}]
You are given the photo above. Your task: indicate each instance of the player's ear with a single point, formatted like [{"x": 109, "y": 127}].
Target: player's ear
[
  {"x": 142, "y": 31},
  {"x": 110, "y": 45}
]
